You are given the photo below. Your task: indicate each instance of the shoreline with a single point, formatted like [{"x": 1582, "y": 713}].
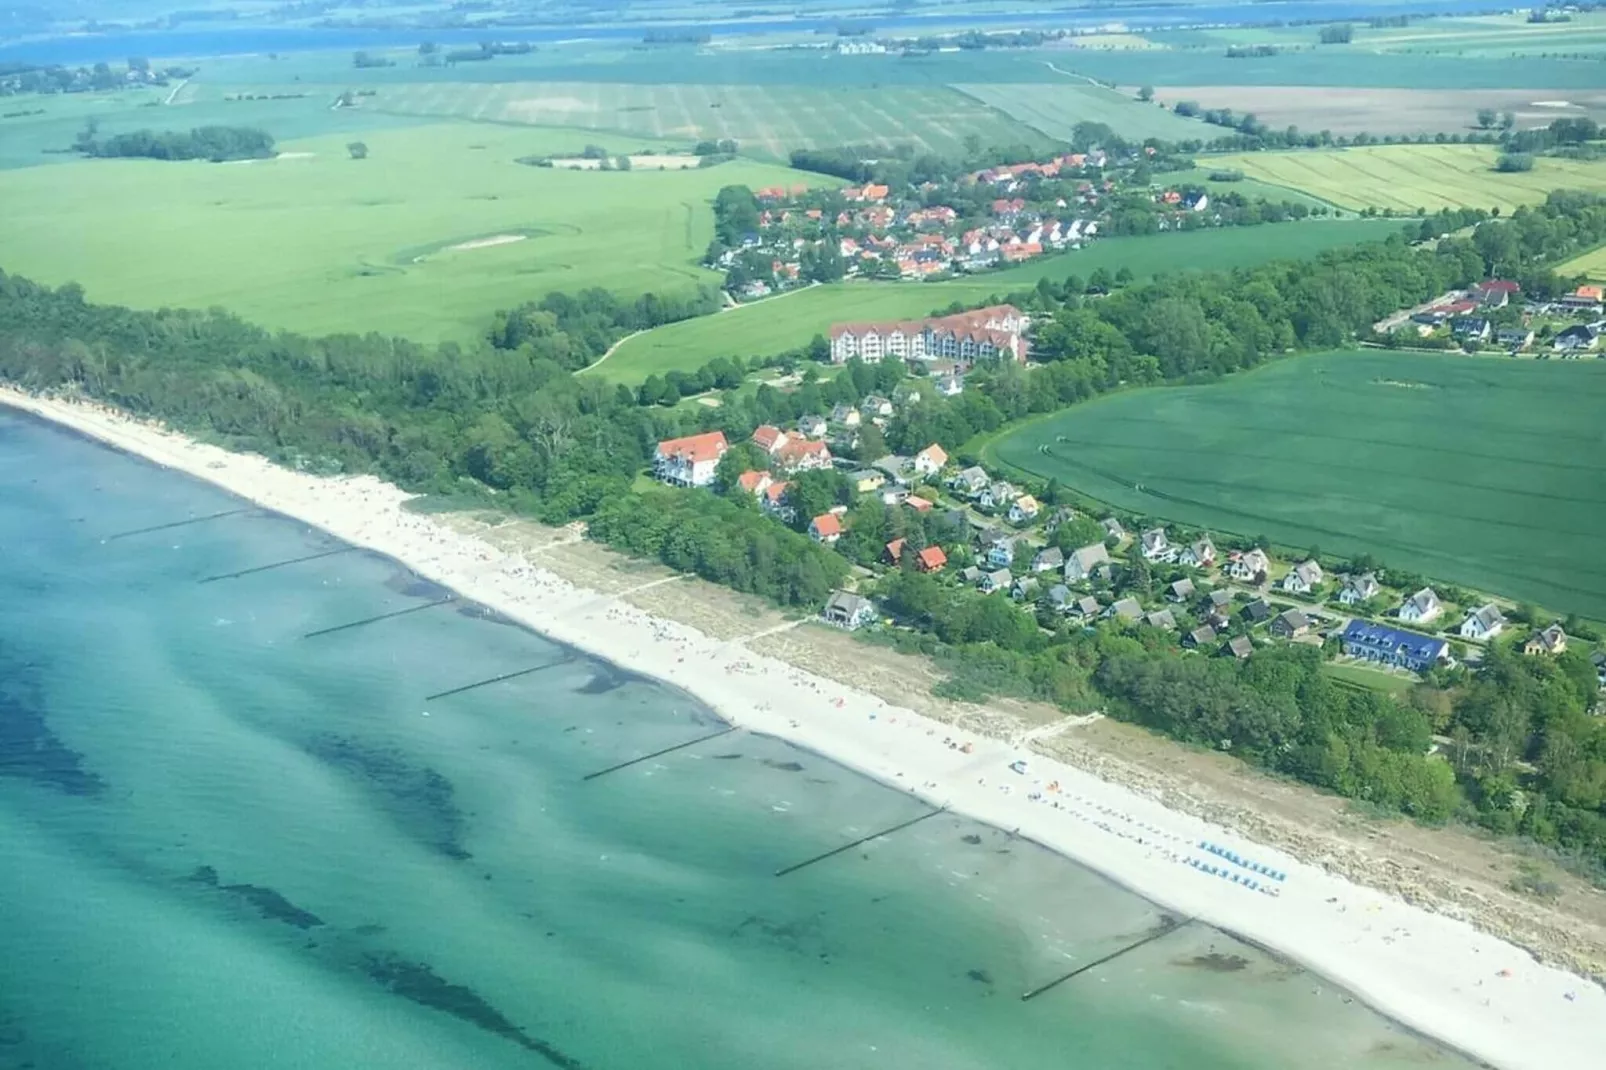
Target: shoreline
[{"x": 1431, "y": 974}]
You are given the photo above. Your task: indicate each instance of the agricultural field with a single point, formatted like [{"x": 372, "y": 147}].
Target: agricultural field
[
  {"x": 1407, "y": 177},
  {"x": 426, "y": 238},
  {"x": 1478, "y": 470},
  {"x": 765, "y": 120},
  {"x": 791, "y": 320},
  {"x": 1347, "y": 110},
  {"x": 1592, "y": 265},
  {"x": 1056, "y": 108}
]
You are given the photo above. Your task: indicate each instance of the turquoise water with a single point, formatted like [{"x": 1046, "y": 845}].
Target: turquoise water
[{"x": 226, "y": 845}]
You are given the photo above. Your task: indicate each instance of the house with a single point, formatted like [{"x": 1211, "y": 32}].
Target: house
[
  {"x": 996, "y": 580},
  {"x": 1392, "y": 646},
  {"x": 801, "y": 455},
  {"x": 1001, "y": 550},
  {"x": 950, "y": 386},
  {"x": 1551, "y": 640},
  {"x": 1514, "y": 338},
  {"x": 930, "y": 461},
  {"x": 1239, "y": 647},
  {"x": 1201, "y": 554},
  {"x": 1113, "y": 528},
  {"x": 993, "y": 333},
  {"x": 893, "y": 551},
  {"x": 754, "y": 482},
  {"x": 1583, "y": 299},
  {"x": 1575, "y": 339},
  {"x": 768, "y": 438},
  {"x": 876, "y": 405},
  {"x": 1082, "y": 563},
  {"x": 1495, "y": 293},
  {"x": 1471, "y": 328},
  {"x": 931, "y": 559},
  {"x": 1248, "y": 567},
  {"x": 1181, "y": 591},
  {"x": 1023, "y": 509},
  {"x": 894, "y": 467},
  {"x": 689, "y": 461},
  {"x": 1219, "y": 600},
  {"x": 1063, "y": 515},
  {"x": 1485, "y": 622},
  {"x": 845, "y": 415},
  {"x": 1161, "y": 619},
  {"x": 1087, "y": 607},
  {"x": 1421, "y": 607},
  {"x": 773, "y": 501},
  {"x": 1059, "y": 598},
  {"x": 1125, "y": 609},
  {"x": 1257, "y": 612},
  {"x": 1358, "y": 589},
  {"x": 1303, "y": 578},
  {"x": 998, "y": 495},
  {"x": 1199, "y": 637},
  {"x": 917, "y": 503},
  {"x": 848, "y": 610},
  {"x": 1156, "y": 547},
  {"x": 1290, "y": 624},
  {"x": 1048, "y": 559},
  {"x": 1598, "y": 659},
  {"x": 970, "y": 481},
  {"x": 811, "y": 426},
  {"x": 1024, "y": 588},
  {"x": 825, "y": 528},
  {"x": 867, "y": 479}
]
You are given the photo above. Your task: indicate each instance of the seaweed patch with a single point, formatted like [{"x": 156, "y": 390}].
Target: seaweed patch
[
  {"x": 269, "y": 903},
  {"x": 418, "y": 982},
  {"x": 418, "y": 798},
  {"x": 29, "y": 750}
]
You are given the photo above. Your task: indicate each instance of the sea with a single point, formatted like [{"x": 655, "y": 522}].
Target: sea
[{"x": 243, "y": 825}]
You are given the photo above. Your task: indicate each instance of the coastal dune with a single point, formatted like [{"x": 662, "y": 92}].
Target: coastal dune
[{"x": 1432, "y": 972}]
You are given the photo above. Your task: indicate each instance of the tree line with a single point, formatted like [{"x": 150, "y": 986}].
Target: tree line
[{"x": 215, "y": 143}]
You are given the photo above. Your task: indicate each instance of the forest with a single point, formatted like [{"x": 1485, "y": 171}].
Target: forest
[
  {"x": 506, "y": 423},
  {"x": 214, "y": 143}
]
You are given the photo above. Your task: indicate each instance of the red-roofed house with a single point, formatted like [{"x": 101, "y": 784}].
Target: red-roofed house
[
  {"x": 769, "y": 438},
  {"x": 929, "y": 461},
  {"x": 895, "y": 550},
  {"x": 754, "y": 482},
  {"x": 931, "y": 559},
  {"x": 773, "y": 501},
  {"x": 799, "y": 456},
  {"x": 919, "y": 505},
  {"x": 689, "y": 461},
  {"x": 826, "y": 528}
]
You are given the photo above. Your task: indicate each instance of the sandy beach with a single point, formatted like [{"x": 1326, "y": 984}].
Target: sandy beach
[{"x": 1430, "y": 971}]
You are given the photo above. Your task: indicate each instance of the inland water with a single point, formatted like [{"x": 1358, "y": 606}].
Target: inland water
[{"x": 224, "y": 844}]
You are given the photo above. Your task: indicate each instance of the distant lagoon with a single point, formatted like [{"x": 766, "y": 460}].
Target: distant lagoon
[{"x": 219, "y": 39}]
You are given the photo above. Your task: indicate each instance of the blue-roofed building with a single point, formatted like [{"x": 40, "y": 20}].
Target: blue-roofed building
[{"x": 1391, "y": 646}]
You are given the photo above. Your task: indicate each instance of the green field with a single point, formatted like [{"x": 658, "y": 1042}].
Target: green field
[
  {"x": 779, "y": 324},
  {"x": 1407, "y": 177},
  {"x": 1055, "y": 109},
  {"x": 767, "y": 120},
  {"x": 1592, "y": 265},
  {"x": 315, "y": 241},
  {"x": 1482, "y": 471}
]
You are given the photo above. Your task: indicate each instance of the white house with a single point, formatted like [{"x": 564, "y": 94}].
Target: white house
[
  {"x": 812, "y": 426},
  {"x": 848, "y": 610},
  {"x": 1421, "y": 607},
  {"x": 769, "y": 438},
  {"x": 1156, "y": 547},
  {"x": 929, "y": 461},
  {"x": 825, "y": 528},
  {"x": 1023, "y": 509},
  {"x": 998, "y": 495},
  {"x": 689, "y": 461},
  {"x": 1303, "y": 577},
  {"x": 1081, "y": 565},
  {"x": 1485, "y": 622},
  {"x": 971, "y": 481},
  {"x": 1248, "y": 566},
  {"x": 1201, "y": 554},
  {"x": 996, "y": 581},
  {"x": 1358, "y": 589}
]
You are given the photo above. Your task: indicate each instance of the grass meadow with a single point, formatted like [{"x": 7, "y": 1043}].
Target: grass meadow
[
  {"x": 1592, "y": 265},
  {"x": 1479, "y": 470},
  {"x": 1055, "y": 109},
  {"x": 1407, "y": 177},
  {"x": 318, "y": 242},
  {"x": 778, "y": 324}
]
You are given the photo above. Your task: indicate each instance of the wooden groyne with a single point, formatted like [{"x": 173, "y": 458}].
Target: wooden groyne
[
  {"x": 374, "y": 620},
  {"x": 277, "y": 564},
  {"x": 497, "y": 679},
  {"x": 174, "y": 524},
  {"x": 833, "y": 852},
  {"x": 727, "y": 730},
  {"x": 1166, "y": 929}
]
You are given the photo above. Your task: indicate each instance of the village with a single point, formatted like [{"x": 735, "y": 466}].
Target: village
[
  {"x": 1214, "y": 595},
  {"x": 1493, "y": 315},
  {"x": 985, "y": 219}
]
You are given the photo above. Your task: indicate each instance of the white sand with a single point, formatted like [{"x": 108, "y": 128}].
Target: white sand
[
  {"x": 1434, "y": 973},
  {"x": 484, "y": 243}
]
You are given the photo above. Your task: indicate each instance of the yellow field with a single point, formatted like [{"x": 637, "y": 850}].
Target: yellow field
[{"x": 1408, "y": 177}]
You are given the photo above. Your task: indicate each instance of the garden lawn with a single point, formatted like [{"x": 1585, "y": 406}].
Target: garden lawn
[
  {"x": 318, "y": 242},
  {"x": 1483, "y": 471},
  {"x": 780, "y": 323},
  {"x": 1407, "y": 177}
]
